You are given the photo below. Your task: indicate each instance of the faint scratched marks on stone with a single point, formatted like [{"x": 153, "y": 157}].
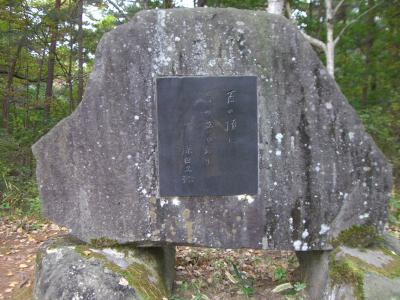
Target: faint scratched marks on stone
[
  {"x": 231, "y": 123},
  {"x": 187, "y": 176}
]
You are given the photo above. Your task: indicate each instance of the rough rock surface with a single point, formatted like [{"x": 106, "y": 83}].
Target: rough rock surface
[
  {"x": 67, "y": 269},
  {"x": 353, "y": 273},
  {"x": 319, "y": 172}
]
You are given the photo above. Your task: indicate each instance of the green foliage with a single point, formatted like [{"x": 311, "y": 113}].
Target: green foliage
[
  {"x": 249, "y": 4},
  {"x": 358, "y": 237},
  {"x": 280, "y": 274},
  {"x": 343, "y": 272},
  {"x": 244, "y": 283},
  {"x": 394, "y": 209},
  {"x": 18, "y": 190}
]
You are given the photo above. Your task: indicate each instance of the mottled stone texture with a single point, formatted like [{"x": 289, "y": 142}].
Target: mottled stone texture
[
  {"x": 67, "y": 269},
  {"x": 319, "y": 172}
]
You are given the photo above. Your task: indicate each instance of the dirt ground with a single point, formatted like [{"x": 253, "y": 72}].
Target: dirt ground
[{"x": 202, "y": 273}]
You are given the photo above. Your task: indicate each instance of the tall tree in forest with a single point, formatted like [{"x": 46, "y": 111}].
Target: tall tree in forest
[
  {"x": 9, "y": 86},
  {"x": 80, "y": 50},
  {"x": 51, "y": 61},
  {"x": 201, "y": 3},
  {"x": 328, "y": 47},
  {"x": 168, "y": 3}
]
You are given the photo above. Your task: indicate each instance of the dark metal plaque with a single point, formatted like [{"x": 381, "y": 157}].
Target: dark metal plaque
[{"x": 207, "y": 135}]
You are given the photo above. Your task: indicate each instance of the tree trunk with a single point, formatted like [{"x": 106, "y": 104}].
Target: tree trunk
[
  {"x": 276, "y": 7},
  {"x": 201, "y": 3},
  {"x": 145, "y": 4},
  {"x": 168, "y": 3},
  {"x": 39, "y": 79},
  {"x": 50, "y": 64},
  {"x": 69, "y": 76},
  {"x": 80, "y": 51},
  {"x": 330, "y": 41},
  {"x": 9, "y": 87},
  {"x": 369, "y": 42}
]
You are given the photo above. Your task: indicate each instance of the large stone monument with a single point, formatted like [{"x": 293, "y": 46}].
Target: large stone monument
[{"x": 211, "y": 127}]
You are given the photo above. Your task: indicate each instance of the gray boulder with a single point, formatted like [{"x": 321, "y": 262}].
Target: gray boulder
[
  {"x": 319, "y": 172},
  {"x": 67, "y": 269},
  {"x": 346, "y": 273}
]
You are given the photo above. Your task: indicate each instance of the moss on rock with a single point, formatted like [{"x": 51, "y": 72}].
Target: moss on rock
[
  {"x": 343, "y": 271},
  {"x": 358, "y": 236},
  {"x": 103, "y": 242},
  {"x": 143, "y": 273},
  {"x": 348, "y": 269}
]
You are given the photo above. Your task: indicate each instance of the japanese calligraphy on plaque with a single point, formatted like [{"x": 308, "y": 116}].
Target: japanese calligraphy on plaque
[{"x": 207, "y": 135}]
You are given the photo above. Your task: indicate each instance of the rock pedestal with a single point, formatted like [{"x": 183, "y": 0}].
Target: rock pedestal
[
  {"x": 68, "y": 269},
  {"x": 353, "y": 273}
]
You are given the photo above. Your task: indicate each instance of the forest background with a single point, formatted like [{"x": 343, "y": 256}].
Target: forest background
[{"x": 47, "y": 49}]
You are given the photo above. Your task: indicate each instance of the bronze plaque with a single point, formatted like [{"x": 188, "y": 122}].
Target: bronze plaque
[{"x": 207, "y": 135}]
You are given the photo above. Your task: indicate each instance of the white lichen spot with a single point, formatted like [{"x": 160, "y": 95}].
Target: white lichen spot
[
  {"x": 136, "y": 117},
  {"x": 293, "y": 58},
  {"x": 297, "y": 245},
  {"x": 265, "y": 242},
  {"x": 149, "y": 49},
  {"x": 324, "y": 229},
  {"x": 239, "y": 23},
  {"x": 317, "y": 168},
  {"x": 249, "y": 199},
  {"x": 275, "y": 183},
  {"x": 129, "y": 156},
  {"x": 49, "y": 251},
  {"x": 278, "y": 152},
  {"x": 304, "y": 247},
  {"x": 351, "y": 135},
  {"x": 305, "y": 234},
  {"x": 144, "y": 192},
  {"x": 176, "y": 201},
  {"x": 113, "y": 158},
  {"x": 279, "y": 137},
  {"x": 163, "y": 202},
  {"x": 328, "y": 105},
  {"x": 123, "y": 282},
  {"x": 363, "y": 216},
  {"x": 177, "y": 39}
]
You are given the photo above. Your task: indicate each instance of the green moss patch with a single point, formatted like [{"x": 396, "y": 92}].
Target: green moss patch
[
  {"x": 348, "y": 269},
  {"x": 142, "y": 275},
  {"x": 103, "y": 242},
  {"x": 358, "y": 236},
  {"x": 344, "y": 271}
]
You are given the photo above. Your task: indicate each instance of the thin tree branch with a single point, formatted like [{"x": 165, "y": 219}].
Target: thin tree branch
[
  {"x": 310, "y": 39},
  {"x": 19, "y": 76},
  {"x": 314, "y": 41},
  {"x": 335, "y": 10},
  {"x": 116, "y": 7},
  {"x": 355, "y": 20}
]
